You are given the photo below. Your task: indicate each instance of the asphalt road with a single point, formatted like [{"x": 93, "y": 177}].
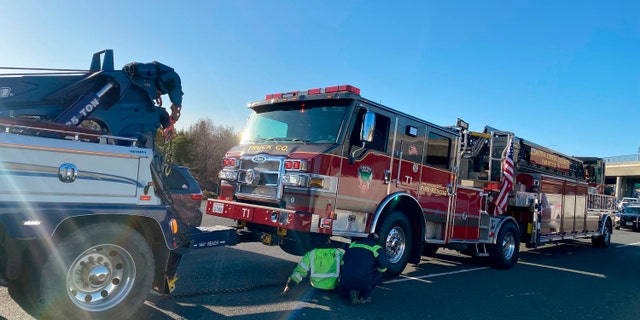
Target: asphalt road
[{"x": 567, "y": 281}]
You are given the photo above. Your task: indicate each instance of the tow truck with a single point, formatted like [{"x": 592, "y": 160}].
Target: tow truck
[{"x": 87, "y": 226}]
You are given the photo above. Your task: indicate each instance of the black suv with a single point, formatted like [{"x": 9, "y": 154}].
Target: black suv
[
  {"x": 630, "y": 217},
  {"x": 186, "y": 194}
]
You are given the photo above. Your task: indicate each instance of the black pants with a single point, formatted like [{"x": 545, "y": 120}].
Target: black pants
[{"x": 365, "y": 288}]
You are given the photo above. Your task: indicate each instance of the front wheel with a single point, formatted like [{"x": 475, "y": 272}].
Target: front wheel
[
  {"x": 102, "y": 271},
  {"x": 504, "y": 254},
  {"x": 395, "y": 234},
  {"x": 298, "y": 243}
]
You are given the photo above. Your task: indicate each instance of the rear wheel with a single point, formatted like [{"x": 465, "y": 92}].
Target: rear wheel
[
  {"x": 102, "y": 271},
  {"x": 395, "y": 234},
  {"x": 504, "y": 254},
  {"x": 603, "y": 241}
]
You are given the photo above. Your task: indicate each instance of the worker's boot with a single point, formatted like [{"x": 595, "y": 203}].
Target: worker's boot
[
  {"x": 354, "y": 296},
  {"x": 363, "y": 300}
]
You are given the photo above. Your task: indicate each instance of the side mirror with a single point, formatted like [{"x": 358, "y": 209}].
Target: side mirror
[
  {"x": 368, "y": 126},
  {"x": 366, "y": 132}
]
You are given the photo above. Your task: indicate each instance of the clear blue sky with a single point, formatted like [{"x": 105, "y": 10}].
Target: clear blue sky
[{"x": 564, "y": 74}]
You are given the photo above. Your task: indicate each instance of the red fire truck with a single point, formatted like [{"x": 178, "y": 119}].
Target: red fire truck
[{"x": 327, "y": 162}]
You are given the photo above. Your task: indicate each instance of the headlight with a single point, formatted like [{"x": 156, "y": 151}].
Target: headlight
[
  {"x": 295, "y": 180},
  {"x": 228, "y": 175},
  {"x": 302, "y": 180}
]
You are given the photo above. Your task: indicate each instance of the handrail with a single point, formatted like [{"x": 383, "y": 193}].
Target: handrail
[
  {"x": 622, "y": 159},
  {"x": 80, "y": 135}
]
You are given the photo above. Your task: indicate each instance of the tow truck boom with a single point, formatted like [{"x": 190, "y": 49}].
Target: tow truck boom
[{"x": 124, "y": 103}]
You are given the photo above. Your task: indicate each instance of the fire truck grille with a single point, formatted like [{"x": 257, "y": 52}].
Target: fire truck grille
[{"x": 259, "y": 179}]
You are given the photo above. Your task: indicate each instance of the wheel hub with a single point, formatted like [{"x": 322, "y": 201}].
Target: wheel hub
[
  {"x": 508, "y": 246},
  {"x": 395, "y": 244},
  {"x": 100, "y": 277}
]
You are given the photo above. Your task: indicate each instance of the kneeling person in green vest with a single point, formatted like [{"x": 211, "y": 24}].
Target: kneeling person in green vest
[
  {"x": 363, "y": 266},
  {"x": 322, "y": 265}
]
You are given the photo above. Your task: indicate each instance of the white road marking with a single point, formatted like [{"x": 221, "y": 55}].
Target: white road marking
[
  {"x": 599, "y": 275},
  {"x": 626, "y": 245},
  {"x": 407, "y": 278}
]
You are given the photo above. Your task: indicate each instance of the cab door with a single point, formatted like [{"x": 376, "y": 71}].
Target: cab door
[
  {"x": 408, "y": 153},
  {"x": 364, "y": 175}
]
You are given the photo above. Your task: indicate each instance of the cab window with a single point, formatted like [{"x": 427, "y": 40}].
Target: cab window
[{"x": 438, "y": 151}]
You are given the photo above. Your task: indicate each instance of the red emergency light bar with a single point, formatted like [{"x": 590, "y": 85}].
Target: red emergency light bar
[
  {"x": 331, "y": 89},
  {"x": 341, "y": 88}
]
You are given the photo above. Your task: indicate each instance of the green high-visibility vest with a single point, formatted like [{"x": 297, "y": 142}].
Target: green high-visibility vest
[{"x": 322, "y": 265}]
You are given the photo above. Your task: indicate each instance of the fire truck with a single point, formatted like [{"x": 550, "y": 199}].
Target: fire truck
[{"x": 326, "y": 162}]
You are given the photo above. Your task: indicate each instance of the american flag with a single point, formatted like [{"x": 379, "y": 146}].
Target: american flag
[
  {"x": 413, "y": 150},
  {"x": 507, "y": 179}
]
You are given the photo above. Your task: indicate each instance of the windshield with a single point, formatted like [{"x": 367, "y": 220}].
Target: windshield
[
  {"x": 635, "y": 210},
  {"x": 297, "y": 122}
]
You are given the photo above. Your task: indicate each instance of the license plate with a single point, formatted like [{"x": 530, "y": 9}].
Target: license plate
[
  {"x": 218, "y": 207},
  {"x": 629, "y": 223}
]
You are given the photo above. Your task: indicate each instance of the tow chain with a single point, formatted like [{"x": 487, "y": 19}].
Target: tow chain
[
  {"x": 168, "y": 154},
  {"x": 224, "y": 290}
]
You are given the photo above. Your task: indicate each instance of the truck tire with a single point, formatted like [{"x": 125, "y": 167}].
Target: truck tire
[
  {"x": 395, "y": 234},
  {"x": 604, "y": 240},
  {"x": 22, "y": 290},
  {"x": 504, "y": 254},
  {"x": 101, "y": 271},
  {"x": 296, "y": 244},
  {"x": 301, "y": 243}
]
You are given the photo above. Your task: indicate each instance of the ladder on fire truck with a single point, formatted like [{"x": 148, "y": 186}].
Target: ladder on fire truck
[{"x": 471, "y": 145}]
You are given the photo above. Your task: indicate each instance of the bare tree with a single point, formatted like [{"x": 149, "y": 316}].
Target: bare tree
[
  {"x": 201, "y": 148},
  {"x": 207, "y": 145}
]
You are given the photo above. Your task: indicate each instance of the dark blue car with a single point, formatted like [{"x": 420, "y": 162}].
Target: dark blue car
[
  {"x": 630, "y": 217},
  {"x": 186, "y": 194}
]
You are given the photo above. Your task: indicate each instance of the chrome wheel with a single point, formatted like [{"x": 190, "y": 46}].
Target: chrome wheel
[
  {"x": 606, "y": 236},
  {"x": 504, "y": 254},
  {"x": 101, "y": 277},
  {"x": 508, "y": 246},
  {"x": 395, "y": 244}
]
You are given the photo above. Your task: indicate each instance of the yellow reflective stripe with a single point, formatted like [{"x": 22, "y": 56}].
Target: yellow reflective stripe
[
  {"x": 338, "y": 258},
  {"x": 373, "y": 249},
  {"x": 296, "y": 277}
]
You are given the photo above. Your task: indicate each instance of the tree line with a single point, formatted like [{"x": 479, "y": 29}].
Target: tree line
[{"x": 201, "y": 148}]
